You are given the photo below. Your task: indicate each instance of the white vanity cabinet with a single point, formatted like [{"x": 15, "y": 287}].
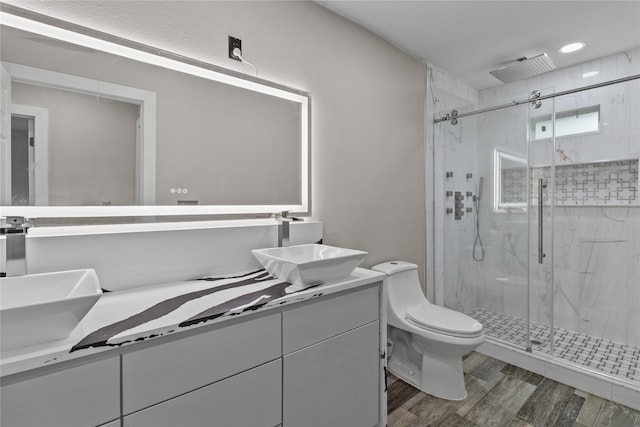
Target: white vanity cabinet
[
  {"x": 163, "y": 371},
  {"x": 312, "y": 362},
  {"x": 334, "y": 382},
  {"x": 331, "y": 364},
  {"x": 83, "y": 395},
  {"x": 249, "y": 399}
]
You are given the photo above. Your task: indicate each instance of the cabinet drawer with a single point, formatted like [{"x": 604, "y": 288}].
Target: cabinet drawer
[
  {"x": 158, "y": 373},
  {"x": 249, "y": 399},
  {"x": 85, "y": 395},
  {"x": 335, "y": 382},
  {"x": 312, "y": 323}
]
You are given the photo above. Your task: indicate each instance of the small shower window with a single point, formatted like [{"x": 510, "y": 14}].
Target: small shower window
[{"x": 569, "y": 122}]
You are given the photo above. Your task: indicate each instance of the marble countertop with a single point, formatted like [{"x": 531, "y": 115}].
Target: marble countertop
[{"x": 125, "y": 318}]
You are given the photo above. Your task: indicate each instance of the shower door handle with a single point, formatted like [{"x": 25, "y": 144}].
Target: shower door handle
[{"x": 541, "y": 186}]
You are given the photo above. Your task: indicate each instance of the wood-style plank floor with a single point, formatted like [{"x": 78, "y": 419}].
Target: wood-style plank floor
[{"x": 500, "y": 394}]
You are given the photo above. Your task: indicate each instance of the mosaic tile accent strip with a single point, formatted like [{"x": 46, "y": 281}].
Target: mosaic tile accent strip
[
  {"x": 513, "y": 183},
  {"x": 604, "y": 355},
  {"x": 612, "y": 183}
]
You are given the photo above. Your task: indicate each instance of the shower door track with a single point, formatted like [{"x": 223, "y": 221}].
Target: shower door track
[{"x": 455, "y": 115}]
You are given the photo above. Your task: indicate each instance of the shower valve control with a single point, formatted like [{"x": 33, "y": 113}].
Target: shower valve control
[{"x": 458, "y": 205}]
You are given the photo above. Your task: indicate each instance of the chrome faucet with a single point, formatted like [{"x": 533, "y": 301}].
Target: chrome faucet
[
  {"x": 284, "y": 233},
  {"x": 14, "y": 229}
]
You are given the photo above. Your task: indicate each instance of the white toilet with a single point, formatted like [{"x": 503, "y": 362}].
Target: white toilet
[{"x": 426, "y": 342}]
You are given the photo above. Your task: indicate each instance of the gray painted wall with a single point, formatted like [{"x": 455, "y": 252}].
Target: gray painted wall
[{"x": 368, "y": 103}]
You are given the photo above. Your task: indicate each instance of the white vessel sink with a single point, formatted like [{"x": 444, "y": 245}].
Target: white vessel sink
[
  {"x": 38, "y": 308},
  {"x": 306, "y": 265}
]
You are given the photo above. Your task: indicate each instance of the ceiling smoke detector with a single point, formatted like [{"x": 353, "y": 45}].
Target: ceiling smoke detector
[{"x": 524, "y": 68}]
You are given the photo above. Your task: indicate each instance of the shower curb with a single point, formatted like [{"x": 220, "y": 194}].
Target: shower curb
[{"x": 595, "y": 383}]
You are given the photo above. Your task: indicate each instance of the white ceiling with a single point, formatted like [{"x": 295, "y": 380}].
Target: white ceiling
[{"x": 471, "y": 38}]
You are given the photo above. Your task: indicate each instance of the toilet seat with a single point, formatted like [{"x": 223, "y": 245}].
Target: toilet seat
[{"x": 442, "y": 320}]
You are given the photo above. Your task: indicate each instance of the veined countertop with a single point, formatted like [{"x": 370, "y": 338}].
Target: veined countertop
[{"x": 125, "y": 318}]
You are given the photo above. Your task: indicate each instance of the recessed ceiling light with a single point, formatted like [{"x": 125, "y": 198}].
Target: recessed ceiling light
[
  {"x": 572, "y": 47},
  {"x": 590, "y": 74}
]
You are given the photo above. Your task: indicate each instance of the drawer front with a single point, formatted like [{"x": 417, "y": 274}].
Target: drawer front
[
  {"x": 158, "y": 373},
  {"x": 312, "y": 323},
  {"x": 249, "y": 399},
  {"x": 335, "y": 382},
  {"x": 85, "y": 395}
]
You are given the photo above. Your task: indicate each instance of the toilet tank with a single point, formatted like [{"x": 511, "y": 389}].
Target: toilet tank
[{"x": 403, "y": 286}]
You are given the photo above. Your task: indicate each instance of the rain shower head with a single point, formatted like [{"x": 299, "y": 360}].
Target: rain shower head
[{"x": 523, "y": 68}]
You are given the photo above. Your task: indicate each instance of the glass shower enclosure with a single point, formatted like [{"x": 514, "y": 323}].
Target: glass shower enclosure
[{"x": 537, "y": 198}]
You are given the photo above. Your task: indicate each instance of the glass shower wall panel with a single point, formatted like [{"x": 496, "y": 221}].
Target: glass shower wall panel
[
  {"x": 485, "y": 218},
  {"x": 597, "y": 225},
  {"x": 458, "y": 178}
]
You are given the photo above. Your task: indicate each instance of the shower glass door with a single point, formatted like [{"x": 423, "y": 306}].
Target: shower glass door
[
  {"x": 487, "y": 216},
  {"x": 537, "y": 218}
]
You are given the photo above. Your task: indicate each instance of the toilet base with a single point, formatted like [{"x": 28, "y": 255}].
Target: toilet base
[
  {"x": 443, "y": 377},
  {"x": 439, "y": 377},
  {"x": 432, "y": 366}
]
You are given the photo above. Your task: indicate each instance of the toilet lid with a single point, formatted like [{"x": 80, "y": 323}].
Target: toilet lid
[{"x": 444, "y": 321}]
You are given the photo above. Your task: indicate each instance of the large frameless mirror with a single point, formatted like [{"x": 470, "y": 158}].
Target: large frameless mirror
[{"x": 95, "y": 125}]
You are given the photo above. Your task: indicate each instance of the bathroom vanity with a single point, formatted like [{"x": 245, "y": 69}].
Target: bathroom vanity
[{"x": 313, "y": 358}]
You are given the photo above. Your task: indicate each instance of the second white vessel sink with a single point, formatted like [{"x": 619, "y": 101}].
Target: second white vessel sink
[
  {"x": 307, "y": 265},
  {"x": 38, "y": 308}
]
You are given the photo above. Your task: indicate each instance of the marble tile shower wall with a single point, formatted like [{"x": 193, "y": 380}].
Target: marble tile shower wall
[
  {"x": 596, "y": 253},
  {"x": 597, "y": 271},
  {"x": 444, "y": 92},
  {"x": 462, "y": 146}
]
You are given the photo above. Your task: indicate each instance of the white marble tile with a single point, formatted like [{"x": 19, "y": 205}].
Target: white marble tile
[
  {"x": 565, "y": 240},
  {"x": 566, "y": 303},
  {"x": 520, "y": 358},
  {"x": 605, "y": 323},
  {"x": 633, "y": 312},
  {"x": 540, "y": 291},
  {"x": 515, "y": 297},
  {"x": 606, "y": 292},
  {"x": 444, "y": 92},
  {"x": 487, "y": 348},
  {"x": 633, "y": 234},
  {"x": 491, "y": 298},
  {"x": 626, "y": 396}
]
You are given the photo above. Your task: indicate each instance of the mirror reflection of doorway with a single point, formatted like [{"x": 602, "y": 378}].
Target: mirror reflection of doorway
[
  {"x": 92, "y": 145},
  {"x": 29, "y": 156},
  {"x": 21, "y": 157}
]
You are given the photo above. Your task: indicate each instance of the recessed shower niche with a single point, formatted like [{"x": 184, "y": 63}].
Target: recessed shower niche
[{"x": 608, "y": 183}]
